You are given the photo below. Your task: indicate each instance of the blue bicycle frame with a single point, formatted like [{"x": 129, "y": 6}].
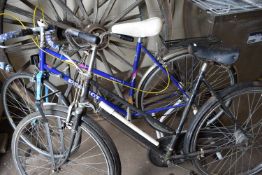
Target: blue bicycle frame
[{"x": 44, "y": 67}]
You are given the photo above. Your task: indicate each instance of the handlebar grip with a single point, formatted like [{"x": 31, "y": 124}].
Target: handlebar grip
[
  {"x": 90, "y": 38},
  {"x": 93, "y": 39},
  {"x": 14, "y": 34}
]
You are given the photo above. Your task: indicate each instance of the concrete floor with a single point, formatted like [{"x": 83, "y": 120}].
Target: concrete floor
[{"x": 132, "y": 154}]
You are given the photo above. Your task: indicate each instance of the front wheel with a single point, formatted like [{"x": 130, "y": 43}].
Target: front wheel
[
  {"x": 227, "y": 147},
  {"x": 96, "y": 153}
]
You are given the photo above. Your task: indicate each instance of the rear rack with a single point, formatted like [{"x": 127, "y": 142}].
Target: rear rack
[{"x": 185, "y": 42}]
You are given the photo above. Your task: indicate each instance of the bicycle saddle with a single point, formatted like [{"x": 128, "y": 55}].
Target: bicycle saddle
[
  {"x": 218, "y": 54},
  {"x": 146, "y": 28}
]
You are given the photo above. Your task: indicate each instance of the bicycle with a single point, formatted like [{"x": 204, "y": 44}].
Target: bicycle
[
  {"x": 181, "y": 65},
  {"x": 163, "y": 152}
]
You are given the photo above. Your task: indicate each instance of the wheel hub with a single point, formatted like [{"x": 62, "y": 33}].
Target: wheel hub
[
  {"x": 240, "y": 137},
  {"x": 97, "y": 29}
]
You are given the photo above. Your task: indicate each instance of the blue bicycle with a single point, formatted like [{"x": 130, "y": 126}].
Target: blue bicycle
[{"x": 162, "y": 91}]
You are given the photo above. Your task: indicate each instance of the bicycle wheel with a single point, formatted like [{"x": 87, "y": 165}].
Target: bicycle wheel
[
  {"x": 96, "y": 153},
  {"x": 18, "y": 96},
  {"x": 223, "y": 147},
  {"x": 185, "y": 68}
]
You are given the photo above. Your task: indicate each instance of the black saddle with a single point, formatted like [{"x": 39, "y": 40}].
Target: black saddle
[
  {"x": 218, "y": 54},
  {"x": 206, "y": 49}
]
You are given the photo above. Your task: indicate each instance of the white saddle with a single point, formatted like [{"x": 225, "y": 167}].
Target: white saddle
[{"x": 146, "y": 28}]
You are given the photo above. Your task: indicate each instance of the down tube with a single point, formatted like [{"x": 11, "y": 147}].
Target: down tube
[
  {"x": 113, "y": 110},
  {"x": 68, "y": 80}
]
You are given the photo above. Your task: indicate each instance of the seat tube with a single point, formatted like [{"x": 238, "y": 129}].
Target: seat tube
[{"x": 135, "y": 69}]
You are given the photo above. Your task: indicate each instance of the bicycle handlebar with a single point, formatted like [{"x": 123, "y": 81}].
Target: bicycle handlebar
[
  {"x": 14, "y": 34},
  {"x": 90, "y": 38}
]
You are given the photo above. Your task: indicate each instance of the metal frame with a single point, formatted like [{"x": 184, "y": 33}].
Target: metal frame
[{"x": 45, "y": 67}]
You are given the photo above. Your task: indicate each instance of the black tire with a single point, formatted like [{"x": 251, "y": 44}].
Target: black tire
[
  {"x": 88, "y": 126},
  {"x": 185, "y": 68},
  {"x": 212, "y": 129},
  {"x": 18, "y": 100}
]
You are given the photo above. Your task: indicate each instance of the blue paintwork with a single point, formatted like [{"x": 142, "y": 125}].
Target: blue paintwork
[
  {"x": 42, "y": 56},
  {"x": 135, "y": 67},
  {"x": 45, "y": 67}
]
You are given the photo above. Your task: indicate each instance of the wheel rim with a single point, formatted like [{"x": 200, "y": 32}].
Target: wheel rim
[
  {"x": 241, "y": 154},
  {"x": 85, "y": 159}
]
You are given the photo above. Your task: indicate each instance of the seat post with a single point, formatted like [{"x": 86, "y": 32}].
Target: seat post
[{"x": 139, "y": 40}]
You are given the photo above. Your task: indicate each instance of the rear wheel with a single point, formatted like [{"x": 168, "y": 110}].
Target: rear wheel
[
  {"x": 233, "y": 150},
  {"x": 184, "y": 67}
]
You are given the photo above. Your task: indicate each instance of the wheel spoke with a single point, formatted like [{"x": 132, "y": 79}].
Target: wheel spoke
[
  {"x": 125, "y": 12},
  {"x": 100, "y": 4},
  {"x": 129, "y": 18},
  {"x": 118, "y": 56},
  {"x": 101, "y": 54},
  {"x": 82, "y": 8},
  {"x": 95, "y": 11},
  {"x": 30, "y": 15},
  {"x": 129, "y": 46},
  {"x": 107, "y": 11},
  {"x": 69, "y": 12},
  {"x": 58, "y": 18},
  {"x": 15, "y": 22},
  {"x": 25, "y": 45},
  {"x": 29, "y": 4}
]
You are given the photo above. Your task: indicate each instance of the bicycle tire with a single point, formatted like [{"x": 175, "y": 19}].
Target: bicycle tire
[
  {"x": 238, "y": 153},
  {"x": 181, "y": 62},
  {"x": 18, "y": 102},
  {"x": 100, "y": 138}
]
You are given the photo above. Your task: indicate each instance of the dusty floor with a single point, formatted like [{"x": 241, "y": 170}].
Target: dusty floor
[{"x": 133, "y": 156}]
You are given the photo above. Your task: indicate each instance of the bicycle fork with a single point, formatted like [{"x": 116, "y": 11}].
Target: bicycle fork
[{"x": 39, "y": 83}]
